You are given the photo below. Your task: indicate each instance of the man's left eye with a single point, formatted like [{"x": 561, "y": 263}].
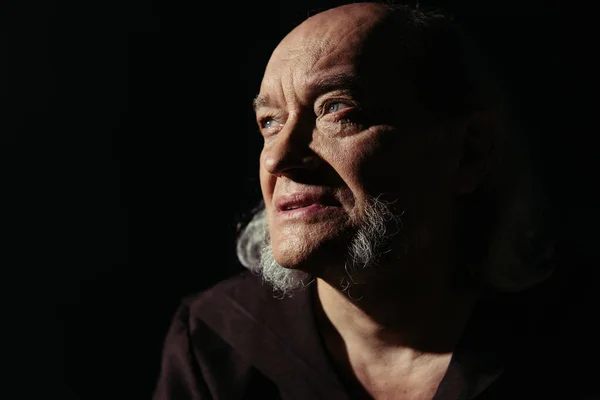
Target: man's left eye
[{"x": 335, "y": 107}]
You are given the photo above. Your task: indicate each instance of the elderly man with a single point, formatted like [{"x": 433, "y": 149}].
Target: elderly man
[{"x": 394, "y": 233}]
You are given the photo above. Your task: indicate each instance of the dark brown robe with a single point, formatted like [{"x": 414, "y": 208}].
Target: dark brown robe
[{"x": 237, "y": 341}]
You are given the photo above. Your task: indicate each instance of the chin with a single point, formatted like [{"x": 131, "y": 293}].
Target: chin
[{"x": 310, "y": 254}]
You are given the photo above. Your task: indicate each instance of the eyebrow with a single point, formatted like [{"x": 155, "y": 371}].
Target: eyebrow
[
  {"x": 323, "y": 85},
  {"x": 260, "y": 101}
]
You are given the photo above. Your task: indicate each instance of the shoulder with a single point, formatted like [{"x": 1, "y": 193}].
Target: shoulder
[
  {"x": 241, "y": 318},
  {"x": 238, "y": 284},
  {"x": 243, "y": 290},
  {"x": 205, "y": 331}
]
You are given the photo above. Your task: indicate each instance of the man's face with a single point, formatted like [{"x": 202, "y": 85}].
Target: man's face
[{"x": 339, "y": 130}]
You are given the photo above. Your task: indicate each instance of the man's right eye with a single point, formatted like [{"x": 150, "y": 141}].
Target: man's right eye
[
  {"x": 266, "y": 123},
  {"x": 269, "y": 123}
]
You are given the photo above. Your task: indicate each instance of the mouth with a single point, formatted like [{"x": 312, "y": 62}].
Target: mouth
[
  {"x": 298, "y": 201},
  {"x": 298, "y": 207}
]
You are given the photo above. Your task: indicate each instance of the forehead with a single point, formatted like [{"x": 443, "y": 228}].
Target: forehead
[
  {"x": 327, "y": 44},
  {"x": 313, "y": 63},
  {"x": 341, "y": 26}
]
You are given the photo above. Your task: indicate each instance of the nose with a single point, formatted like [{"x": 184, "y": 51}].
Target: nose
[{"x": 289, "y": 151}]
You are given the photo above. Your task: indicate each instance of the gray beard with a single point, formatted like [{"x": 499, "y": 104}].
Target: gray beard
[{"x": 378, "y": 228}]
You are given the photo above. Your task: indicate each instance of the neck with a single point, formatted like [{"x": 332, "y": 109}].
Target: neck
[{"x": 379, "y": 317}]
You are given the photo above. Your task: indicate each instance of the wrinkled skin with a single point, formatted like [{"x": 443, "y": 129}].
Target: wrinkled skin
[{"x": 336, "y": 113}]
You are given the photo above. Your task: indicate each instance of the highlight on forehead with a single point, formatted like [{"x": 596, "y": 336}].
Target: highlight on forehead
[
  {"x": 344, "y": 21},
  {"x": 359, "y": 12},
  {"x": 347, "y": 24}
]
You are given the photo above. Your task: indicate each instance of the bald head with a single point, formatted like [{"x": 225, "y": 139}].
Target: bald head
[
  {"x": 351, "y": 22},
  {"x": 418, "y": 57},
  {"x": 343, "y": 46},
  {"x": 327, "y": 39}
]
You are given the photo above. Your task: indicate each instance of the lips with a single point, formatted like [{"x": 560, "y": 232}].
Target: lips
[{"x": 301, "y": 200}]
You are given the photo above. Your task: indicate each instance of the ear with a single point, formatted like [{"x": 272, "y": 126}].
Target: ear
[{"x": 477, "y": 135}]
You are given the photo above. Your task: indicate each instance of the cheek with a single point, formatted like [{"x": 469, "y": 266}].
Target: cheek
[
  {"x": 397, "y": 171},
  {"x": 344, "y": 159},
  {"x": 384, "y": 168}
]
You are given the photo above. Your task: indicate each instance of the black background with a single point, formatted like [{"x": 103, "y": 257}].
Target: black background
[{"x": 140, "y": 154}]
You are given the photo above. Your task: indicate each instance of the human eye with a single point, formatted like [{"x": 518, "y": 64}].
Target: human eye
[
  {"x": 335, "y": 106},
  {"x": 269, "y": 124},
  {"x": 338, "y": 110},
  {"x": 266, "y": 122}
]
